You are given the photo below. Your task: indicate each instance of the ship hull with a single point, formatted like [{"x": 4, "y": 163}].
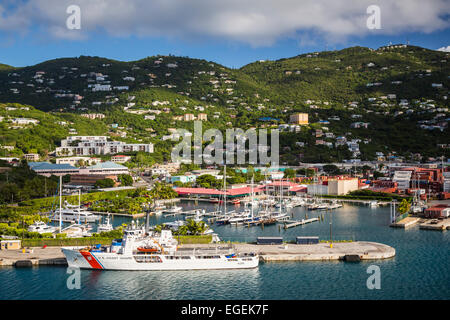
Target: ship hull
[{"x": 113, "y": 261}]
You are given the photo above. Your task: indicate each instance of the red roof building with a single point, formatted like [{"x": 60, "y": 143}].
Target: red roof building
[{"x": 439, "y": 211}]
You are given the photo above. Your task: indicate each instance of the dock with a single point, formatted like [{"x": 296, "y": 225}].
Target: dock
[
  {"x": 294, "y": 223},
  {"x": 359, "y": 250},
  {"x": 435, "y": 224},
  {"x": 33, "y": 257},
  {"x": 406, "y": 222}
]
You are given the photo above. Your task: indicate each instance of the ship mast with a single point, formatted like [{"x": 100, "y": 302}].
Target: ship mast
[
  {"x": 60, "y": 203},
  {"x": 225, "y": 188}
]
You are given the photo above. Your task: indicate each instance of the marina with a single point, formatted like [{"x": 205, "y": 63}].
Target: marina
[{"x": 357, "y": 229}]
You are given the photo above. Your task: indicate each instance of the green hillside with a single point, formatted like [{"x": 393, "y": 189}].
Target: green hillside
[{"x": 399, "y": 91}]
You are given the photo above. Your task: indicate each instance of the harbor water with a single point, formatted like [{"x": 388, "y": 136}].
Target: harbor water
[{"x": 420, "y": 269}]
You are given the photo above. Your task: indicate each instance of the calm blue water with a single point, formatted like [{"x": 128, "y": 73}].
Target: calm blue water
[{"x": 420, "y": 270}]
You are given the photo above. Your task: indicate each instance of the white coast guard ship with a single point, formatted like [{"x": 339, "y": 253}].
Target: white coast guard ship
[{"x": 139, "y": 250}]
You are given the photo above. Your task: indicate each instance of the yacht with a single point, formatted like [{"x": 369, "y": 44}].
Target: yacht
[
  {"x": 77, "y": 214},
  {"x": 373, "y": 204},
  {"x": 41, "y": 227},
  {"x": 77, "y": 231},
  {"x": 172, "y": 210},
  {"x": 239, "y": 218},
  {"x": 335, "y": 205},
  {"x": 105, "y": 227},
  {"x": 141, "y": 250}
]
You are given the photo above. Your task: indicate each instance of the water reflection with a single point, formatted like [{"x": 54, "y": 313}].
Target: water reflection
[{"x": 203, "y": 284}]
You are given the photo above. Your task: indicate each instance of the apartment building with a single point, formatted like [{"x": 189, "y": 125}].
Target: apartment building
[{"x": 91, "y": 145}]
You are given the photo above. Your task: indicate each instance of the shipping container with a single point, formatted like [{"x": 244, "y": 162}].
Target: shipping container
[
  {"x": 307, "y": 240},
  {"x": 269, "y": 240}
]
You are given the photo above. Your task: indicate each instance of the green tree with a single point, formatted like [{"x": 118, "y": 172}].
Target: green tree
[
  {"x": 125, "y": 180},
  {"x": 104, "y": 183}
]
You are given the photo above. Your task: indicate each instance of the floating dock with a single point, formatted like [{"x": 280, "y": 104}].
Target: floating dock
[{"x": 294, "y": 223}]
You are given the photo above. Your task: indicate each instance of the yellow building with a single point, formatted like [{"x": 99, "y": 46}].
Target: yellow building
[
  {"x": 299, "y": 118},
  {"x": 10, "y": 244},
  {"x": 342, "y": 186}
]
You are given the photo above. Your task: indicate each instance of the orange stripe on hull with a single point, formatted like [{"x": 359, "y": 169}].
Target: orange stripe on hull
[{"x": 91, "y": 260}]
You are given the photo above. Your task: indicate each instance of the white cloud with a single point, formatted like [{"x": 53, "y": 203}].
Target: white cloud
[
  {"x": 444, "y": 49},
  {"x": 257, "y": 22}
]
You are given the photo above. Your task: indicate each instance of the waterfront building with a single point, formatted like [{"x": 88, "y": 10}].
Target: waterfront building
[
  {"x": 342, "y": 186},
  {"x": 439, "y": 211}
]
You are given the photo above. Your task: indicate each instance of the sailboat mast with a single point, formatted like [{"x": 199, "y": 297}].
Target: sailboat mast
[
  {"x": 281, "y": 193},
  {"x": 252, "y": 199},
  {"x": 225, "y": 188},
  {"x": 60, "y": 203},
  {"x": 79, "y": 205}
]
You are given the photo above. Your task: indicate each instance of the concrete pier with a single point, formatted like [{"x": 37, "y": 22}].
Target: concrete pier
[
  {"x": 435, "y": 224},
  {"x": 35, "y": 256},
  {"x": 315, "y": 252},
  {"x": 348, "y": 251},
  {"x": 406, "y": 222}
]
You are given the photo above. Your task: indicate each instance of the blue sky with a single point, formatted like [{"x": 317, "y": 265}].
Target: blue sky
[{"x": 234, "y": 35}]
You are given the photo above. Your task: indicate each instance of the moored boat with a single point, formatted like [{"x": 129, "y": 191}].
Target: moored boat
[{"x": 126, "y": 255}]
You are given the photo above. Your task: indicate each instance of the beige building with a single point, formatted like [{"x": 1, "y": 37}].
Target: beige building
[
  {"x": 342, "y": 186},
  {"x": 73, "y": 161},
  {"x": 31, "y": 157},
  {"x": 299, "y": 118},
  {"x": 120, "y": 158},
  {"x": 202, "y": 117}
]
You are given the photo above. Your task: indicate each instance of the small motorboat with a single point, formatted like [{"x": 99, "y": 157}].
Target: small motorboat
[{"x": 41, "y": 228}]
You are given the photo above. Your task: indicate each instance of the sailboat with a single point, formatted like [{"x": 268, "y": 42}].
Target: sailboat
[
  {"x": 226, "y": 215},
  {"x": 280, "y": 215},
  {"x": 252, "y": 219}
]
